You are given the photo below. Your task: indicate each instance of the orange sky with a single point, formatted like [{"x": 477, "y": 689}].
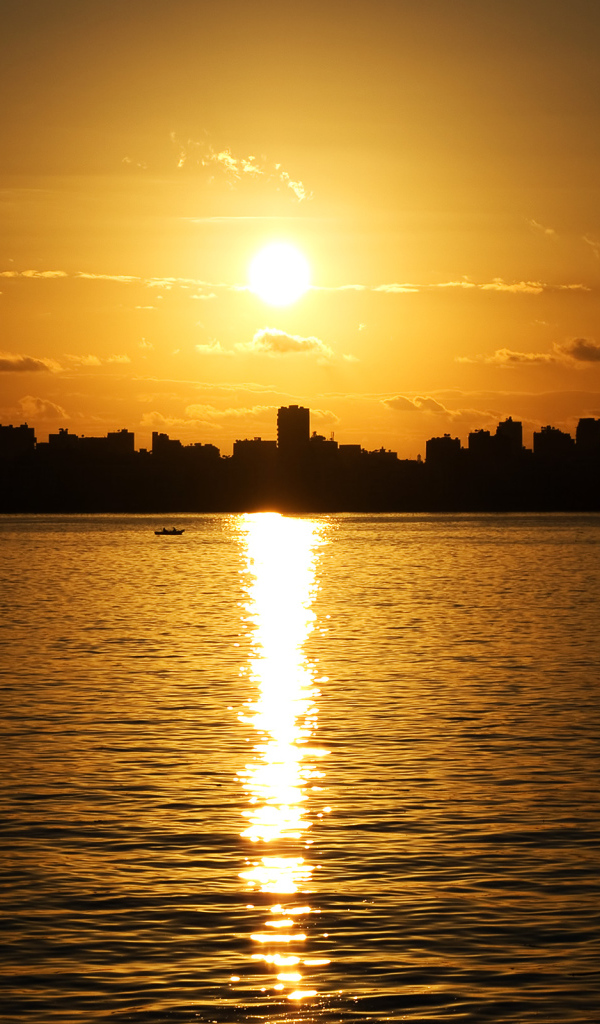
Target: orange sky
[{"x": 437, "y": 163}]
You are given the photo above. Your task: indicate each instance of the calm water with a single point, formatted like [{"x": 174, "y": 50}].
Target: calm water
[{"x": 278, "y": 769}]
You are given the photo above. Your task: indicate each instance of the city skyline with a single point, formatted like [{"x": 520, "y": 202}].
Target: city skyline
[
  {"x": 434, "y": 166},
  {"x": 294, "y": 433},
  {"x": 299, "y": 472}
]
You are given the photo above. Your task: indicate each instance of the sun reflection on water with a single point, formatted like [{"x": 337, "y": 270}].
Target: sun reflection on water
[{"x": 286, "y": 763}]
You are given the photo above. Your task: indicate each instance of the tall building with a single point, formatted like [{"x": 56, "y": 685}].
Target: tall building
[
  {"x": 293, "y": 429},
  {"x": 510, "y": 436},
  {"x": 587, "y": 437}
]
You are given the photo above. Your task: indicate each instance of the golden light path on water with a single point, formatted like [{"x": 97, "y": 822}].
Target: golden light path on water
[{"x": 281, "y": 779}]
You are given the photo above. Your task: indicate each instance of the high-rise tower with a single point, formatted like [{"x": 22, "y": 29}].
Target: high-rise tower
[{"x": 293, "y": 429}]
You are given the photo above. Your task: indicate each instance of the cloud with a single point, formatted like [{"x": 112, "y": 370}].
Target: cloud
[
  {"x": 235, "y": 168},
  {"x": 581, "y": 350},
  {"x": 463, "y": 283},
  {"x": 595, "y": 246},
  {"x": 124, "y": 278},
  {"x": 296, "y": 186},
  {"x": 134, "y": 163},
  {"x": 156, "y": 421},
  {"x": 207, "y": 290},
  {"x": 34, "y": 273},
  {"x": 540, "y": 227},
  {"x": 198, "y": 414},
  {"x": 396, "y": 289},
  {"x": 90, "y": 360},
  {"x": 41, "y": 408},
  {"x": 526, "y": 287},
  {"x": 85, "y": 360},
  {"x": 10, "y": 363},
  {"x": 497, "y": 284},
  {"x": 323, "y": 416},
  {"x": 212, "y": 348},
  {"x": 577, "y": 350},
  {"x": 209, "y": 413},
  {"x": 44, "y": 273},
  {"x": 418, "y": 404},
  {"x": 508, "y": 357},
  {"x": 275, "y": 342}
]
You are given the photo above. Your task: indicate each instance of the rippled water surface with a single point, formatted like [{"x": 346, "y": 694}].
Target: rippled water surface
[{"x": 294, "y": 769}]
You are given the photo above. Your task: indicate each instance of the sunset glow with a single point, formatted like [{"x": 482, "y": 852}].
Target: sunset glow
[{"x": 386, "y": 212}]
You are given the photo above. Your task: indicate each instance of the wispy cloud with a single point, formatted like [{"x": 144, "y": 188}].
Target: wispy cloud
[
  {"x": 158, "y": 421},
  {"x": 33, "y": 408},
  {"x": 11, "y": 363},
  {"x": 497, "y": 284},
  {"x": 582, "y": 350},
  {"x": 236, "y": 168},
  {"x": 210, "y": 413},
  {"x": 272, "y": 341},
  {"x": 207, "y": 290},
  {"x": 396, "y": 289},
  {"x": 33, "y": 273},
  {"x": 572, "y": 352},
  {"x": 400, "y": 403},
  {"x": 527, "y": 287},
  {"x": 508, "y": 357},
  {"x": 130, "y": 162},
  {"x": 212, "y": 348},
  {"x": 464, "y": 282},
  {"x": 541, "y": 228},
  {"x": 198, "y": 414},
  {"x": 82, "y": 360},
  {"x": 124, "y": 278},
  {"x": 595, "y": 246},
  {"x": 92, "y": 360}
]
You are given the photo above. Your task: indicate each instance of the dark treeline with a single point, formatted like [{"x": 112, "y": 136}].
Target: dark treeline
[{"x": 300, "y": 472}]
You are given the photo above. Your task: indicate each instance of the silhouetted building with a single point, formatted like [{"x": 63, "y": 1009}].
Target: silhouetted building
[
  {"x": 121, "y": 442},
  {"x": 63, "y": 441},
  {"x": 205, "y": 453},
  {"x": 349, "y": 452},
  {"x": 510, "y": 436},
  {"x": 254, "y": 450},
  {"x": 163, "y": 446},
  {"x": 481, "y": 444},
  {"x": 442, "y": 450},
  {"x": 293, "y": 429},
  {"x": 323, "y": 447},
  {"x": 382, "y": 455},
  {"x": 552, "y": 443},
  {"x": 587, "y": 436},
  {"x": 16, "y": 441}
]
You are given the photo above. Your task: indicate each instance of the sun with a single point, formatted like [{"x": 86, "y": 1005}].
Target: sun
[{"x": 279, "y": 274}]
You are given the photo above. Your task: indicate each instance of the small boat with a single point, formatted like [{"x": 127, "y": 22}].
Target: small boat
[{"x": 173, "y": 532}]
